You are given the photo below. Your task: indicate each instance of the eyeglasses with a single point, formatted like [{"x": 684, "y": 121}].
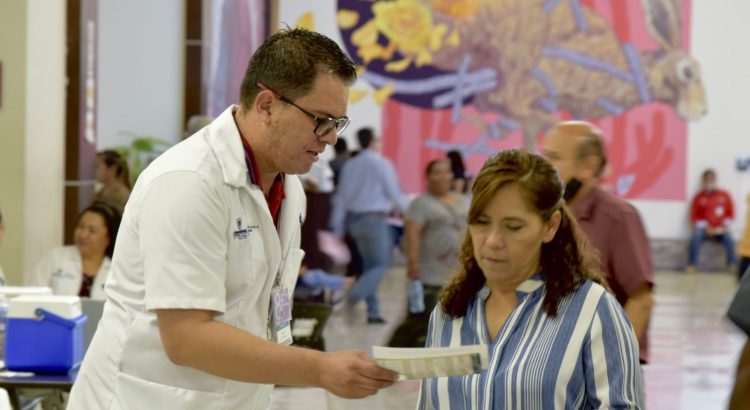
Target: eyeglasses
[{"x": 323, "y": 125}]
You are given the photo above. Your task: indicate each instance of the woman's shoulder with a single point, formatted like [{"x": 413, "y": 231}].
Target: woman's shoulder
[
  {"x": 588, "y": 289},
  {"x": 439, "y": 315},
  {"x": 110, "y": 190},
  {"x": 115, "y": 195},
  {"x": 63, "y": 251},
  {"x": 59, "y": 255},
  {"x": 594, "y": 287},
  {"x": 479, "y": 297},
  {"x": 602, "y": 297},
  {"x": 422, "y": 203}
]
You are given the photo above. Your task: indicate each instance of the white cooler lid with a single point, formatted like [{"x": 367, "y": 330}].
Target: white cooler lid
[
  {"x": 23, "y": 307},
  {"x": 11, "y": 292}
]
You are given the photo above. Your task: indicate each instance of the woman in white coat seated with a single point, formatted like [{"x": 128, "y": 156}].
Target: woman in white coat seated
[{"x": 82, "y": 268}]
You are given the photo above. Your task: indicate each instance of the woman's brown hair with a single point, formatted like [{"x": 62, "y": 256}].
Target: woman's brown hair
[
  {"x": 112, "y": 158},
  {"x": 567, "y": 260}
]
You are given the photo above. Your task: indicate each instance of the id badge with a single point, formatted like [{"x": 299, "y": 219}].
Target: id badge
[{"x": 281, "y": 311}]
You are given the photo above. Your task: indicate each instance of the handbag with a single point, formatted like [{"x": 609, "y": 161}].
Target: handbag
[
  {"x": 739, "y": 309},
  {"x": 332, "y": 246}
]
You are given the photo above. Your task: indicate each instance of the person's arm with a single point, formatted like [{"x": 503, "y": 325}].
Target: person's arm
[
  {"x": 729, "y": 215},
  {"x": 392, "y": 188},
  {"x": 697, "y": 213},
  {"x": 612, "y": 371},
  {"x": 632, "y": 269},
  {"x": 185, "y": 275},
  {"x": 638, "y": 308},
  {"x": 412, "y": 242},
  {"x": 192, "y": 338}
]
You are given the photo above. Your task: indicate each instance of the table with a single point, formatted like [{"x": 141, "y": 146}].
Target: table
[{"x": 58, "y": 383}]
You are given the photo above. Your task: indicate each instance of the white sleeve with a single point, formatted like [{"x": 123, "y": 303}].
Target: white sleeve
[{"x": 182, "y": 232}]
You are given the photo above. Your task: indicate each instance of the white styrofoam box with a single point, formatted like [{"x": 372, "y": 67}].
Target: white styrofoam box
[
  {"x": 11, "y": 292},
  {"x": 23, "y": 307}
]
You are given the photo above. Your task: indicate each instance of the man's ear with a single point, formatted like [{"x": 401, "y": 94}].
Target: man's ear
[
  {"x": 263, "y": 103},
  {"x": 592, "y": 163}
]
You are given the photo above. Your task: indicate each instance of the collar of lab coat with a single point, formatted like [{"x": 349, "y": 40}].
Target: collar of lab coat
[{"x": 224, "y": 139}]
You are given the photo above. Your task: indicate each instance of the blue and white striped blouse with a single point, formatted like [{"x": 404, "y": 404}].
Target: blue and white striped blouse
[{"x": 584, "y": 358}]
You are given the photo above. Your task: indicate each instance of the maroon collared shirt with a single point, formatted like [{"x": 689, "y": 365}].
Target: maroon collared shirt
[
  {"x": 276, "y": 194},
  {"x": 614, "y": 228}
]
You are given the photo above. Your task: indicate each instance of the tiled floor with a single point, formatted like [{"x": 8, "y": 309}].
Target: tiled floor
[{"x": 693, "y": 350}]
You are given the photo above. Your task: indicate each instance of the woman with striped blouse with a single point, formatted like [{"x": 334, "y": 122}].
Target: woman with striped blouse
[{"x": 529, "y": 289}]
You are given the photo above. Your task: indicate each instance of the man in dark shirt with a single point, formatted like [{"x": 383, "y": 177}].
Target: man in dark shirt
[{"x": 613, "y": 226}]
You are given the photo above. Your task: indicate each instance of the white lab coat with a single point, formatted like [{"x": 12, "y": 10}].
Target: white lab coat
[
  {"x": 195, "y": 235},
  {"x": 62, "y": 270}
]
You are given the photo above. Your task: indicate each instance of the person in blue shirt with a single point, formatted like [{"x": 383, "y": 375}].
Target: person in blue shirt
[
  {"x": 368, "y": 190},
  {"x": 529, "y": 289}
]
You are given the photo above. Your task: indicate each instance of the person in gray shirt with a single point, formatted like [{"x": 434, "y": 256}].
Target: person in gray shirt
[{"x": 435, "y": 225}]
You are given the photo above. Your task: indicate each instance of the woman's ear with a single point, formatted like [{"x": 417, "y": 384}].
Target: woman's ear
[{"x": 552, "y": 226}]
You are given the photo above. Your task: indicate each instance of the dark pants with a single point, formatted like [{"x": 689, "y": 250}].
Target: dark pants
[
  {"x": 412, "y": 332},
  {"x": 700, "y": 235},
  {"x": 354, "y": 268},
  {"x": 744, "y": 264}
]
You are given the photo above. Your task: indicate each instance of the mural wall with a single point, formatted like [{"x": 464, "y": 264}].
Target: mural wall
[{"x": 482, "y": 75}]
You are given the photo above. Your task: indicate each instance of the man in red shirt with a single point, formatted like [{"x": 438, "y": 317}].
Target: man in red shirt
[
  {"x": 612, "y": 226},
  {"x": 711, "y": 213}
]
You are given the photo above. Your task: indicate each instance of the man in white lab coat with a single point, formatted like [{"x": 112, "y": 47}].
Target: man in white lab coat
[{"x": 208, "y": 252}]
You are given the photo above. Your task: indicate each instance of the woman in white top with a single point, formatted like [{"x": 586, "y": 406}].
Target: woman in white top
[{"x": 82, "y": 268}]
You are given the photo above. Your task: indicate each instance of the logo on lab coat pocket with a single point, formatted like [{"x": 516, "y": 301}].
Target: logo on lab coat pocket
[{"x": 242, "y": 232}]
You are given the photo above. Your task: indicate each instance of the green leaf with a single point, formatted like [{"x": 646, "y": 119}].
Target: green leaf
[{"x": 141, "y": 147}]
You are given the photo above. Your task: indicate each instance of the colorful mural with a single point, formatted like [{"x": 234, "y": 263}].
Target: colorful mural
[{"x": 482, "y": 75}]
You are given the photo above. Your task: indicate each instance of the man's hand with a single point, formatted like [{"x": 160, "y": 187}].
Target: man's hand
[{"x": 351, "y": 374}]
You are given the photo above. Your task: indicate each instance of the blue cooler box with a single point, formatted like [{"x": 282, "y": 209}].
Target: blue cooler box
[{"x": 44, "y": 334}]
